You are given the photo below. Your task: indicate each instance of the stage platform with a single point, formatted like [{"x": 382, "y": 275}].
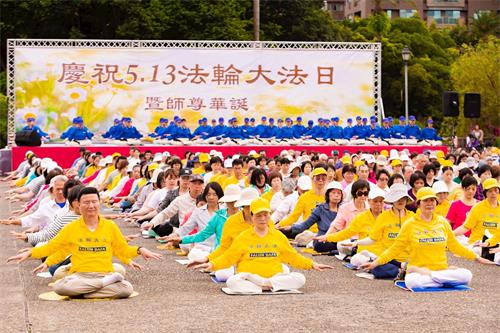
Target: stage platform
[{"x": 65, "y": 155}]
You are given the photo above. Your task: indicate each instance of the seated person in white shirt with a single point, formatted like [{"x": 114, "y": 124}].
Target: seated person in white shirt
[{"x": 47, "y": 211}]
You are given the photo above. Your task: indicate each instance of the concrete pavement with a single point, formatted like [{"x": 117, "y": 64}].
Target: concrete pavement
[{"x": 175, "y": 299}]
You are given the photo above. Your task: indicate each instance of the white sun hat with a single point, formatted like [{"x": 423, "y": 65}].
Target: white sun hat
[
  {"x": 304, "y": 183},
  {"x": 440, "y": 187},
  {"x": 232, "y": 193},
  {"x": 247, "y": 196}
]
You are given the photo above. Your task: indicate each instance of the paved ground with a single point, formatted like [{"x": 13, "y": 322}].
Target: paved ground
[{"x": 175, "y": 299}]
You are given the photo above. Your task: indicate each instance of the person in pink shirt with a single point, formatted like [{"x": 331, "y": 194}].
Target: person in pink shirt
[
  {"x": 348, "y": 211},
  {"x": 125, "y": 191},
  {"x": 459, "y": 209}
]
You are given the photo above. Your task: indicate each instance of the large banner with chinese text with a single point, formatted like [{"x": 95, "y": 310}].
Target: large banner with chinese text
[{"x": 101, "y": 84}]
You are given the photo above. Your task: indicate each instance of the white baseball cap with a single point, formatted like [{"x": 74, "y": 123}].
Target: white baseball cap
[
  {"x": 376, "y": 192},
  {"x": 334, "y": 186}
]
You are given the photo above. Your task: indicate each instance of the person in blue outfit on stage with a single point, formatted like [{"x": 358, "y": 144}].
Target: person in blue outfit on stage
[
  {"x": 234, "y": 131},
  {"x": 182, "y": 132},
  {"x": 298, "y": 128},
  {"x": 128, "y": 131},
  {"x": 386, "y": 130},
  {"x": 348, "y": 130},
  {"x": 78, "y": 131},
  {"x": 317, "y": 129},
  {"x": 113, "y": 130},
  {"x": 398, "y": 131},
  {"x": 359, "y": 131},
  {"x": 373, "y": 130},
  {"x": 412, "y": 131},
  {"x": 220, "y": 129},
  {"x": 160, "y": 129},
  {"x": 30, "y": 126},
  {"x": 203, "y": 131},
  {"x": 365, "y": 126},
  {"x": 245, "y": 127},
  {"x": 308, "y": 129},
  {"x": 429, "y": 133},
  {"x": 324, "y": 131},
  {"x": 271, "y": 131},
  {"x": 336, "y": 131},
  {"x": 287, "y": 131},
  {"x": 262, "y": 127}
]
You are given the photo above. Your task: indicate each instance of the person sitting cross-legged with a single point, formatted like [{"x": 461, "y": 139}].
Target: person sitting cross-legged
[
  {"x": 258, "y": 254},
  {"x": 92, "y": 241},
  {"x": 427, "y": 236}
]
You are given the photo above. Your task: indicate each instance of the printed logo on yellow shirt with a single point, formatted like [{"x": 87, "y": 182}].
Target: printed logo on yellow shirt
[
  {"x": 263, "y": 254},
  {"x": 490, "y": 224},
  {"x": 392, "y": 235},
  {"x": 92, "y": 249},
  {"x": 432, "y": 240}
]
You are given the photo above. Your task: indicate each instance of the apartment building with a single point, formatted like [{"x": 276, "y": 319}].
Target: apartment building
[{"x": 443, "y": 13}]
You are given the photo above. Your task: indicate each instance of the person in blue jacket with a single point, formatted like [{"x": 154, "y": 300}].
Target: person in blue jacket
[
  {"x": 250, "y": 130},
  {"x": 203, "y": 131},
  {"x": 358, "y": 129},
  {"x": 430, "y": 133},
  {"x": 271, "y": 131},
  {"x": 373, "y": 130},
  {"x": 412, "y": 131},
  {"x": 30, "y": 126},
  {"x": 317, "y": 130},
  {"x": 128, "y": 131},
  {"x": 234, "y": 131},
  {"x": 348, "y": 130},
  {"x": 262, "y": 127},
  {"x": 366, "y": 126},
  {"x": 298, "y": 128},
  {"x": 308, "y": 129},
  {"x": 335, "y": 131},
  {"x": 398, "y": 131},
  {"x": 287, "y": 131},
  {"x": 386, "y": 130},
  {"x": 182, "y": 132},
  {"x": 160, "y": 129},
  {"x": 78, "y": 131},
  {"x": 220, "y": 129},
  {"x": 111, "y": 133},
  {"x": 245, "y": 126}
]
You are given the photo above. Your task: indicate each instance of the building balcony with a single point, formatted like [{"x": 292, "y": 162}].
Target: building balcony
[
  {"x": 444, "y": 22},
  {"x": 446, "y": 3}
]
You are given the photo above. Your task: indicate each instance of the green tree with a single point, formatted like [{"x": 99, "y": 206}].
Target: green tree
[{"x": 477, "y": 71}]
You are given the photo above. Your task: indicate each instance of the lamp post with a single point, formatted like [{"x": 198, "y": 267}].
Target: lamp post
[{"x": 406, "y": 56}]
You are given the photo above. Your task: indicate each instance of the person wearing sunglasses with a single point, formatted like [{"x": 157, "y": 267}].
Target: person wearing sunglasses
[{"x": 359, "y": 191}]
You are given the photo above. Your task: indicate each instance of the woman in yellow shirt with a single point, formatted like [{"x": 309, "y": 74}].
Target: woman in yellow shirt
[
  {"x": 427, "y": 236},
  {"x": 485, "y": 215},
  {"x": 382, "y": 235},
  {"x": 258, "y": 254},
  {"x": 442, "y": 193}
]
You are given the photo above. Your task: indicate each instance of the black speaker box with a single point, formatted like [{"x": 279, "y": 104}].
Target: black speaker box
[
  {"x": 472, "y": 105},
  {"x": 450, "y": 104},
  {"x": 27, "y": 138}
]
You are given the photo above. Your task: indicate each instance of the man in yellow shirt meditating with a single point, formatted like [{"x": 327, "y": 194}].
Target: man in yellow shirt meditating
[
  {"x": 92, "y": 241},
  {"x": 258, "y": 254}
]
